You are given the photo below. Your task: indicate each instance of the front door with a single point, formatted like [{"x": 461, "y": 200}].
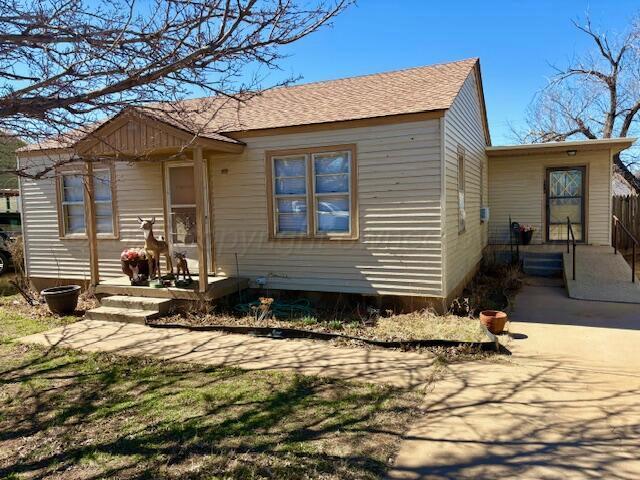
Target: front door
[
  {"x": 181, "y": 210},
  {"x": 565, "y": 191}
]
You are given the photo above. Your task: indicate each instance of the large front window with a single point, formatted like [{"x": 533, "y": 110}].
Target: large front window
[
  {"x": 312, "y": 193},
  {"x": 182, "y": 204}
]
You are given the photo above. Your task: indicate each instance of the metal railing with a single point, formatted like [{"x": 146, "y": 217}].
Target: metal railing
[
  {"x": 571, "y": 238},
  {"x": 512, "y": 225},
  {"x": 617, "y": 225}
]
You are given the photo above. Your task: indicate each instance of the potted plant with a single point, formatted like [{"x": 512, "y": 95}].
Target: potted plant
[
  {"x": 494, "y": 320},
  {"x": 135, "y": 265},
  {"x": 526, "y": 234},
  {"x": 62, "y": 300}
]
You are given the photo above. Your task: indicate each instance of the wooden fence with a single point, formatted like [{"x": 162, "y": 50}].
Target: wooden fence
[{"x": 626, "y": 209}]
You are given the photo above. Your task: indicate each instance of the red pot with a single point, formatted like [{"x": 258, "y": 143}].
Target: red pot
[{"x": 494, "y": 320}]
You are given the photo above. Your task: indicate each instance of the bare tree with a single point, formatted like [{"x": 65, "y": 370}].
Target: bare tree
[
  {"x": 65, "y": 64},
  {"x": 597, "y": 96}
]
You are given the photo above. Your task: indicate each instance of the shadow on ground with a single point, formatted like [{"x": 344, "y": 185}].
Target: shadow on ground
[{"x": 74, "y": 415}]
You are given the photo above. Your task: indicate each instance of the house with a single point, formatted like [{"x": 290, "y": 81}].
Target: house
[{"x": 375, "y": 185}]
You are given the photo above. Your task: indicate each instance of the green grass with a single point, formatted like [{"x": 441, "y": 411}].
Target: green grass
[{"x": 74, "y": 415}]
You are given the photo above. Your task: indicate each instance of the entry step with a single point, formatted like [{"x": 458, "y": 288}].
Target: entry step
[{"x": 118, "y": 314}]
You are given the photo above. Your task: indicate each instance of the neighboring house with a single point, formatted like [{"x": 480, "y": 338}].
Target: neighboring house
[
  {"x": 370, "y": 185},
  {"x": 621, "y": 186}
]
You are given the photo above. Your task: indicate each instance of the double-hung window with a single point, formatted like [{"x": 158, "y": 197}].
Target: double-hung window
[
  {"x": 312, "y": 193},
  {"x": 73, "y": 197},
  {"x": 73, "y": 214},
  {"x": 102, "y": 191},
  {"x": 462, "y": 214}
]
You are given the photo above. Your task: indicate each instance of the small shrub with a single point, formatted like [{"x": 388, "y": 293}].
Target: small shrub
[
  {"x": 308, "y": 320},
  {"x": 335, "y": 324}
]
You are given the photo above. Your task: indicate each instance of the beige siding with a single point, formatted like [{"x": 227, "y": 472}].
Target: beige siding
[
  {"x": 464, "y": 127},
  {"x": 139, "y": 192},
  {"x": 516, "y": 188},
  {"x": 399, "y": 249}
]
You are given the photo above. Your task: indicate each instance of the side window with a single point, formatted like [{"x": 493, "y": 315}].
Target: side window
[
  {"x": 462, "y": 216},
  {"x": 72, "y": 208},
  {"x": 104, "y": 201}
]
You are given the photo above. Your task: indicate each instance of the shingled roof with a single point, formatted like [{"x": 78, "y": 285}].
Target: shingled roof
[{"x": 414, "y": 90}]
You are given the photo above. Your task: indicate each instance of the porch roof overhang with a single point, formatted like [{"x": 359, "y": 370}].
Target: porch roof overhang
[
  {"x": 615, "y": 145},
  {"x": 132, "y": 134}
]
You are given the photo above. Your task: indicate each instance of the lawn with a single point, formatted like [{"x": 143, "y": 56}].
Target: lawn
[{"x": 71, "y": 415}]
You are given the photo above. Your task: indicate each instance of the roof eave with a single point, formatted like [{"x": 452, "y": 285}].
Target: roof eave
[{"x": 616, "y": 145}]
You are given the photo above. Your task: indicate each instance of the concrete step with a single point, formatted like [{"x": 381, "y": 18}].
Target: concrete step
[
  {"x": 125, "y": 315},
  {"x": 542, "y": 271},
  {"x": 541, "y": 255},
  {"x": 160, "y": 305},
  {"x": 543, "y": 262}
]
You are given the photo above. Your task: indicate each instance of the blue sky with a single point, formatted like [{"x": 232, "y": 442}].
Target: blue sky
[{"x": 515, "y": 40}]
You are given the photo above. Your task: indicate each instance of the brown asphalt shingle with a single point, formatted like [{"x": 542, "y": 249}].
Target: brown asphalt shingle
[{"x": 413, "y": 90}]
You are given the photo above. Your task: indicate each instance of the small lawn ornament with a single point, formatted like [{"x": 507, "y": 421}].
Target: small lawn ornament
[
  {"x": 155, "y": 248},
  {"x": 182, "y": 267}
]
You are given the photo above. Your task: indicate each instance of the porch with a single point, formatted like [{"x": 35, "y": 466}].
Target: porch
[
  {"x": 182, "y": 203},
  {"x": 217, "y": 287}
]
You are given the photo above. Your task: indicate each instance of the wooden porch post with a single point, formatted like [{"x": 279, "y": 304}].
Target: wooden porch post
[
  {"x": 201, "y": 177},
  {"x": 92, "y": 234}
]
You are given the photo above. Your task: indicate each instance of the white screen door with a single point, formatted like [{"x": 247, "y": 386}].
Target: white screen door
[{"x": 181, "y": 210}]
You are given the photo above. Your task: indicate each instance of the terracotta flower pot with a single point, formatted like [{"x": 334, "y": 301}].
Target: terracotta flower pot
[{"x": 494, "y": 320}]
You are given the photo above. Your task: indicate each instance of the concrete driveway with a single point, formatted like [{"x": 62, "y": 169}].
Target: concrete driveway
[{"x": 565, "y": 405}]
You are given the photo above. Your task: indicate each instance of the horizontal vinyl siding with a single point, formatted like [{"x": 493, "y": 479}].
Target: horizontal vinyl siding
[
  {"x": 139, "y": 192},
  {"x": 464, "y": 127},
  {"x": 516, "y": 189},
  {"x": 399, "y": 249}
]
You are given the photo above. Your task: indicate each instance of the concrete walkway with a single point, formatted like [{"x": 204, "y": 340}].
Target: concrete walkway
[
  {"x": 568, "y": 405},
  {"x": 601, "y": 275},
  {"x": 565, "y": 405},
  {"x": 406, "y": 370}
]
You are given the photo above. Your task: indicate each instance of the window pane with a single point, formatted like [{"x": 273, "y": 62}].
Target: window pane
[
  {"x": 104, "y": 224},
  {"x": 291, "y": 186},
  {"x": 183, "y": 225},
  {"x": 103, "y": 209},
  {"x": 292, "y": 223},
  {"x": 286, "y": 205},
  {"x": 104, "y": 218},
  {"x": 333, "y": 215},
  {"x": 333, "y": 204},
  {"x": 332, "y": 183},
  {"x": 74, "y": 218},
  {"x": 290, "y": 167},
  {"x": 73, "y": 188},
  {"x": 331, "y": 162},
  {"x": 102, "y": 185},
  {"x": 181, "y": 185}
]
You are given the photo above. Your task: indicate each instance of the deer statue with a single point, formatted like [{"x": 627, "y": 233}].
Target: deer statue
[
  {"x": 182, "y": 266},
  {"x": 155, "y": 248}
]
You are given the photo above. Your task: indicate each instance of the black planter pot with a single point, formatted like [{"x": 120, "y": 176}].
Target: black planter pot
[
  {"x": 62, "y": 300},
  {"x": 525, "y": 237}
]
